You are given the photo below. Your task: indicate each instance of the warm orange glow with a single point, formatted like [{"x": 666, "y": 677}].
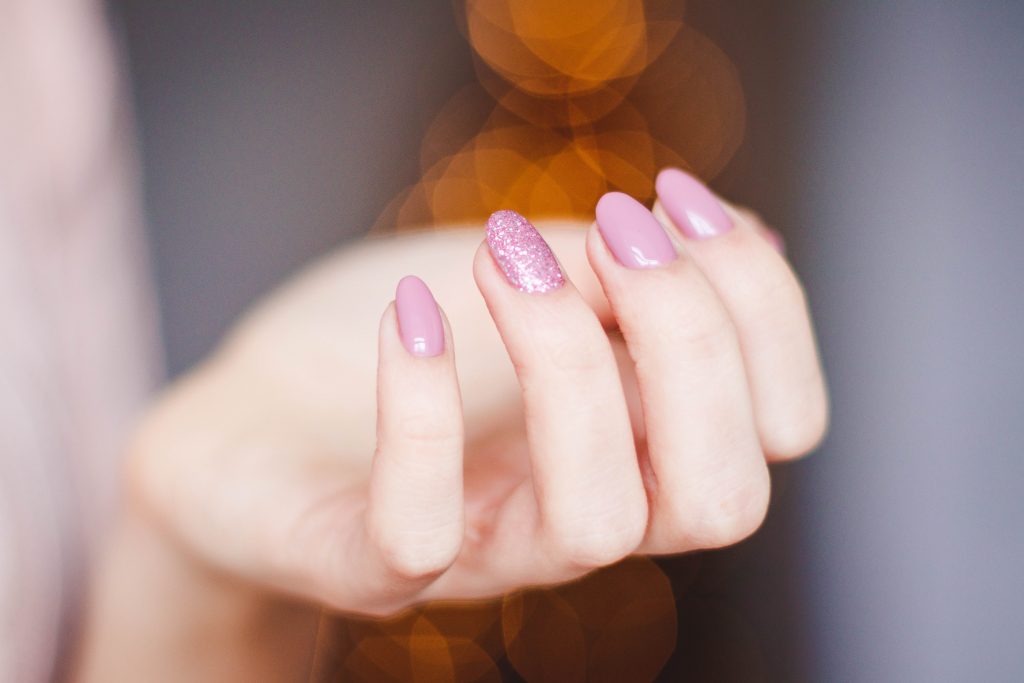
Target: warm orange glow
[
  {"x": 574, "y": 98},
  {"x": 549, "y": 48},
  {"x": 617, "y": 624}
]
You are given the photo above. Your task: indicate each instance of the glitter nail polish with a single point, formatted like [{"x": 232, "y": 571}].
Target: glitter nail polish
[{"x": 522, "y": 254}]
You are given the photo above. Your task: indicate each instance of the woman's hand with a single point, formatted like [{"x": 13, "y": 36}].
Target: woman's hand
[{"x": 631, "y": 412}]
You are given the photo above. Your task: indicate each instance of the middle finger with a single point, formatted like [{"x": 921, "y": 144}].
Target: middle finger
[
  {"x": 590, "y": 499},
  {"x": 710, "y": 477}
]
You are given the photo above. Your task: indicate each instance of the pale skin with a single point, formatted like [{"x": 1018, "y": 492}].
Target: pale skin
[{"x": 629, "y": 412}]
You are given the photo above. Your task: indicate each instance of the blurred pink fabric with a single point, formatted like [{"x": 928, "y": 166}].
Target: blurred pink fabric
[{"x": 78, "y": 347}]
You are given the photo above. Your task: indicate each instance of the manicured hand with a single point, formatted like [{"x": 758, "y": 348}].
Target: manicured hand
[{"x": 622, "y": 397}]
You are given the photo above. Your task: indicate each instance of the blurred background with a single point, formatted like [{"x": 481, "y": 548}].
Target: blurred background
[{"x": 882, "y": 139}]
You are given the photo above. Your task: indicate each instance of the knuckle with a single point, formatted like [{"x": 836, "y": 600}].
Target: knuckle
[
  {"x": 413, "y": 558},
  {"x": 708, "y": 337},
  {"x": 695, "y": 321},
  {"x": 772, "y": 286},
  {"x": 413, "y": 564},
  {"x": 781, "y": 288},
  {"x": 569, "y": 349},
  {"x": 697, "y": 332},
  {"x": 767, "y": 285},
  {"x": 795, "y": 438},
  {"x": 723, "y": 518},
  {"x": 598, "y": 542},
  {"x": 427, "y": 427},
  {"x": 574, "y": 356}
]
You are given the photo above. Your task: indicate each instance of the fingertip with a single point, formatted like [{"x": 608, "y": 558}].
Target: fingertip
[
  {"x": 599, "y": 254},
  {"x": 483, "y": 262},
  {"x": 595, "y": 246},
  {"x": 387, "y": 329}
]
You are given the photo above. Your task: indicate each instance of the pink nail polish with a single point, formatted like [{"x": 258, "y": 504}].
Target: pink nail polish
[
  {"x": 632, "y": 233},
  {"x": 419, "y": 318},
  {"x": 691, "y": 206},
  {"x": 522, "y": 254}
]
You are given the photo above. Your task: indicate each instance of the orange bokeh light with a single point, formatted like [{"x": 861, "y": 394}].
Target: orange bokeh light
[{"x": 573, "y": 99}]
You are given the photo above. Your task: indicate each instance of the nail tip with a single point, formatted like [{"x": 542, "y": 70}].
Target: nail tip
[
  {"x": 632, "y": 233},
  {"x": 611, "y": 201},
  {"x": 408, "y": 282},
  {"x": 522, "y": 253},
  {"x": 691, "y": 205},
  {"x": 419, "y": 318},
  {"x": 674, "y": 175}
]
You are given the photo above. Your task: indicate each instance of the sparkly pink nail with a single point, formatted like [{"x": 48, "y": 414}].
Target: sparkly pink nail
[{"x": 522, "y": 253}]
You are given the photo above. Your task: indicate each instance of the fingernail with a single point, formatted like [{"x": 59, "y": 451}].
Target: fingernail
[
  {"x": 522, "y": 254},
  {"x": 691, "y": 206},
  {"x": 632, "y": 233},
  {"x": 419, "y": 318}
]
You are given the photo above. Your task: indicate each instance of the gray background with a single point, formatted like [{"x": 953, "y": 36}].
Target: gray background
[{"x": 884, "y": 140}]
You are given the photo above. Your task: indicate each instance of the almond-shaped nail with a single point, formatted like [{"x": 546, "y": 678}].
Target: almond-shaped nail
[
  {"x": 691, "y": 206},
  {"x": 632, "y": 233},
  {"x": 419, "y": 318},
  {"x": 522, "y": 254}
]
